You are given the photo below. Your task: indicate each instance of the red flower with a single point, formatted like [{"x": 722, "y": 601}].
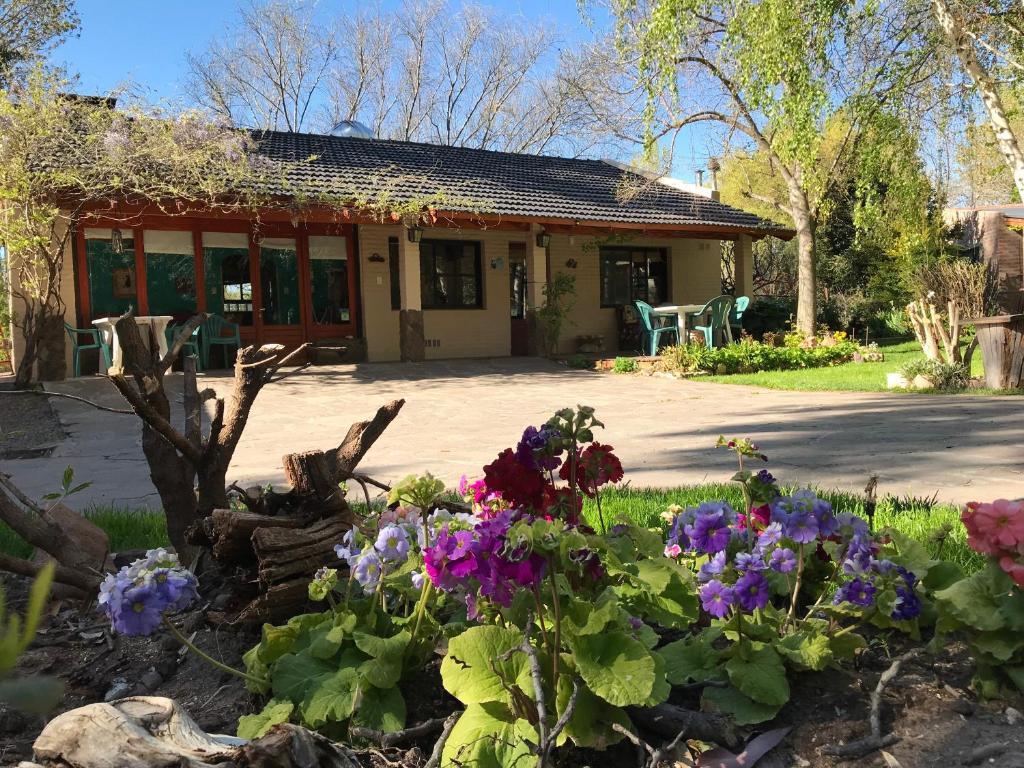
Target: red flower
[
  {"x": 595, "y": 466},
  {"x": 518, "y": 485}
]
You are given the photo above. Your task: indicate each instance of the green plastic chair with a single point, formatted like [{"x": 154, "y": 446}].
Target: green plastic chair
[
  {"x": 735, "y": 326},
  {"x": 218, "y": 331},
  {"x": 77, "y": 348},
  {"x": 717, "y": 311},
  {"x": 191, "y": 346},
  {"x": 653, "y": 333}
]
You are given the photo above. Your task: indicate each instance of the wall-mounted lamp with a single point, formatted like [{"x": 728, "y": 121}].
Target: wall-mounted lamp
[
  {"x": 376, "y": 258},
  {"x": 415, "y": 234},
  {"x": 116, "y": 240},
  {"x": 571, "y": 263},
  {"x": 497, "y": 263},
  {"x": 543, "y": 239}
]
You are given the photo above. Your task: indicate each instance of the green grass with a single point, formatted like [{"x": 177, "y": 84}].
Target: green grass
[
  {"x": 918, "y": 518},
  {"x": 127, "y": 529},
  {"x": 848, "y": 377}
]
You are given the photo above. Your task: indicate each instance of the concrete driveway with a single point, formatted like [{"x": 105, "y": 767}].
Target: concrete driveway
[{"x": 459, "y": 414}]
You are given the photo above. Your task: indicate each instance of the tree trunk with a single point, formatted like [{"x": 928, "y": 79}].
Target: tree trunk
[
  {"x": 25, "y": 372},
  {"x": 807, "y": 287},
  {"x": 953, "y": 29},
  {"x": 51, "y": 364}
]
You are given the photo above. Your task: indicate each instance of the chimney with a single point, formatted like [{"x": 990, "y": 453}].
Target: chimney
[
  {"x": 714, "y": 167},
  {"x": 700, "y": 177}
]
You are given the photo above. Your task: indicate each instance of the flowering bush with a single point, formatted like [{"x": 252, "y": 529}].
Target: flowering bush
[
  {"x": 749, "y": 356},
  {"x": 137, "y": 597},
  {"x": 988, "y": 606}
]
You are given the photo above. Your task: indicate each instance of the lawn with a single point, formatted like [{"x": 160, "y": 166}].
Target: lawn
[
  {"x": 144, "y": 529},
  {"x": 849, "y": 377}
]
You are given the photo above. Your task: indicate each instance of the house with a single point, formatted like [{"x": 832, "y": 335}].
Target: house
[
  {"x": 461, "y": 285},
  {"x": 992, "y": 234}
]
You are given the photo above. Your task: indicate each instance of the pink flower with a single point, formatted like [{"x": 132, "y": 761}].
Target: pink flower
[
  {"x": 1013, "y": 568},
  {"x": 1002, "y": 521},
  {"x": 673, "y": 550}
]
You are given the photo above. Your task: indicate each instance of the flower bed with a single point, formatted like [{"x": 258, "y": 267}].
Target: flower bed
[
  {"x": 557, "y": 634},
  {"x": 749, "y": 356}
]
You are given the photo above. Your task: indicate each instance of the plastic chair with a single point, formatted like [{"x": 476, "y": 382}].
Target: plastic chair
[
  {"x": 652, "y": 333},
  {"x": 77, "y": 348},
  {"x": 717, "y": 311},
  {"x": 218, "y": 331},
  {"x": 735, "y": 327},
  {"x": 192, "y": 345}
]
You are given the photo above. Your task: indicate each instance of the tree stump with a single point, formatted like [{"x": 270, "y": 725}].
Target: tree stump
[{"x": 1001, "y": 340}]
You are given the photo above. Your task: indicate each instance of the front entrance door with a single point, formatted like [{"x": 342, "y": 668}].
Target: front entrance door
[{"x": 517, "y": 298}]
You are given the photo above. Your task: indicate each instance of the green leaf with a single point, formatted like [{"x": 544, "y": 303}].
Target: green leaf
[
  {"x": 255, "y": 667},
  {"x": 942, "y": 575},
  {"x": 692, "y": 659},
  {"x": 616, "y": 667},
  {"x": 591, "y": 722},
  {"x": 661, "y": 689},
  {"x": 488, "y": 735},
  {"x": 277, "y": 641},
  {"x": 331, "y": 698},
  {"x": 760, "y": 674},
  {"x": 68, "y": 478},
  {"x": 382, "y": 647},
  {"x": 37, "y": 695},
  {"x": 1016, "y": 674},
  {"x": 973, "y": 600},
  {"x": 294, "y": 675},
  {"x": 382, "y": 709},
  {"x": 326, "y": 641},
  {"x": 589, "y": 619},
  {"x": 1001, "y": 644},
  {"x": 912, "y": 554},
  {"x": 806, "y": 650},
  {"x": 846, "y": 646},
  {"x": 473, "y": 670},
  {"x": 745, "y": 711},
  {"x": 384, "y": 672},
  {"x": 274, "y": 713}
]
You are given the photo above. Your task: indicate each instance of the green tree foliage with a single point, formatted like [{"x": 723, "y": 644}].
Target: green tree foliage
[{"x": 31, "y": 28}]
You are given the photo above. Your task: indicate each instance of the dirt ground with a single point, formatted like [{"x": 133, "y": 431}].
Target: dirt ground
[
  {"x": 29, "y": 427},
  {"x": 929, "y": 706}
]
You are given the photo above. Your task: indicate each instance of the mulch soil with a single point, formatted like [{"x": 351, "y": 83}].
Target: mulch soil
[
  {"x": 929, "y": 705},
  {"x": 29, "y": 427}
]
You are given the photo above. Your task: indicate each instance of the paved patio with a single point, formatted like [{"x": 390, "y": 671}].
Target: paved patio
[{"x": 459, "y": 414}]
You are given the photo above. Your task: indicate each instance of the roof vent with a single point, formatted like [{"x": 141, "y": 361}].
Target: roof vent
[{"x": 352, "y": 129}]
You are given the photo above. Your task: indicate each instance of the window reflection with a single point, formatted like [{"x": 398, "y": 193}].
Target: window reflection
[{"x": 227, "y": 276}]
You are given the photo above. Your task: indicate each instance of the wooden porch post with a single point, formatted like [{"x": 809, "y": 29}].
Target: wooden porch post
[
  {"x": 410, "y": 318},
  {"x": 744, "y": 265}
]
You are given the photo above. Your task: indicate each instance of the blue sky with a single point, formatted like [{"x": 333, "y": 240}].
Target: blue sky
[{"x": 145, "y": 42}]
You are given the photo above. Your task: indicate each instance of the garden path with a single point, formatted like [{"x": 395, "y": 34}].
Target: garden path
[{"x": 459, "y": 414}]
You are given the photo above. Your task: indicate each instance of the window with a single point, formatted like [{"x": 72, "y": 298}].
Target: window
[
  {"x": 110, "y": 263},
  {"x": 228, "y": 278},
  {"x": 279, "y": 281},
  {"x": 629, "y": 274},
  {"x": 450, "y": 275},
  {"x": 328, "y": 267},
  {"x": 170, "y": 273},
  {"x": 396, "y": 279}
]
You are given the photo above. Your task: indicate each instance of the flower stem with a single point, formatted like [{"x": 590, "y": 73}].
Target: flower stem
[
  {"x": 261, "y": 682},
  {"x": 421, "y": 608},
  {"x": 600, "y": 514},
  {"x": 796, "y": 587},
  {"x": 558, "y": 620}
]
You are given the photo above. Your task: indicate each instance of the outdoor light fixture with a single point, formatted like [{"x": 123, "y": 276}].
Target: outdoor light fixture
[
  {"x": 376, "y": 258},
  {"x": 543, "y": 239},
  {"x": 116, "y": 241},
  {"x": 571, "y": 263},
  {"x": 497, "y": 263},
  {"x": 415, "y": 234}
]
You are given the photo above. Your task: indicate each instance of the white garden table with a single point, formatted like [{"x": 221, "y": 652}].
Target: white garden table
[
  {"x": 157, "y": 322},
  {"x": 680, "y": 311}
]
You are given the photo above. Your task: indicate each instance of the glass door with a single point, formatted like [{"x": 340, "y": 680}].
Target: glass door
[
  {"x": 279, "y": 282},
  {"x": 330, "y": 298}
]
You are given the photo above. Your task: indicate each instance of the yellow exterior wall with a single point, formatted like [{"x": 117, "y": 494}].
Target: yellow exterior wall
[
  {"x": 380, "y": 322},
  {"x": 67, "y": 292},
  {"x": 694, "y": 276}
]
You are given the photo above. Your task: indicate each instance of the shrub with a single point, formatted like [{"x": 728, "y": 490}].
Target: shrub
[
  {"x": 624, "y": 365},
  {"x": 944, "y": 376},
  {"x": 749, "y": 356},
  {"x": 580, "y": 363},
  {"x": 768, "y": 314}
]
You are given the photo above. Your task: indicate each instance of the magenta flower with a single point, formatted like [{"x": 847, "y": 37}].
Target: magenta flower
[
  {"x": 751, "y": 591},
  {"x": 716, "y": 598}
]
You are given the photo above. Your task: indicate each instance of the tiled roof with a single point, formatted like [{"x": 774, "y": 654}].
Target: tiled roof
[{"x": 495, "y": 183}]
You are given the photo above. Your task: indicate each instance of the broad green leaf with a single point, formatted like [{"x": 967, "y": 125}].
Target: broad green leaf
[
  {"x": 912, "y": 554},
  {"x": 846, "y": 646},
  {"x": 294, "y": 675},
  {"x": 330, "y": 698},
  {"x": 1001, "y": 644},
  {"x": 326, "y": 641},
  {"x": 277, "y": 641},
  {"x": 806, "y": 651},
  {"x": 382, "y": 709},
  {"x": 274, "y": 713},
  {"x": 942, "y": 575},
  {"x": 592, "y": 719},
  {"x": 973, "y": 600},
  {"x": 384, "y": 672},
  {"x": 760, "y": 674},
  {"x": 1016, "y": 674},
  {"x": 473, "y": 670},
  {"x": 588, "y": 619},
  {"x": 488, "y": 735},
  {"x": 655, "y": 574},
  {"x": 382, "y": 647},
  {"x": 1011, "y": 608},
  {"x": 745, "y": 711},
  {"x": 615, "y": 667},
  {"x": 661, "y": 689},
  {"x": 255, "y": 666},
  {"x": 692, "y": 659}
]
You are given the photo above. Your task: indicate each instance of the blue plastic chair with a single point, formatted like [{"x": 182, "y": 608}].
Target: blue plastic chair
[
  {"x": 220, "y": 332},
  {"x": 717, "y": 311},
  {"x": 736, "y": 317},
  {"x": 77, "y": 348},
  {"x": 191, "y": 346},
  {"x": 653, "y": 333}
]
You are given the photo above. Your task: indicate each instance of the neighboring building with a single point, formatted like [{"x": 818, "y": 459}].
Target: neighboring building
[
  {"x": 992, "y": 234},
  {"x": 462, "y": 287}
]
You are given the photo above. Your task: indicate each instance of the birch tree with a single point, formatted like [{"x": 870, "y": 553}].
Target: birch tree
[
  {"x": 770, "y": 76},
  {"x": 988, "y": 37}
]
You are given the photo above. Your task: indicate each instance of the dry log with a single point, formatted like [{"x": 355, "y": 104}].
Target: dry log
[
  {"x": 229, "y": 533},
  {"x": 277, "y": 603},
  {"x": 668, "y": 721},
  {"x": 283, "y": 553}
]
